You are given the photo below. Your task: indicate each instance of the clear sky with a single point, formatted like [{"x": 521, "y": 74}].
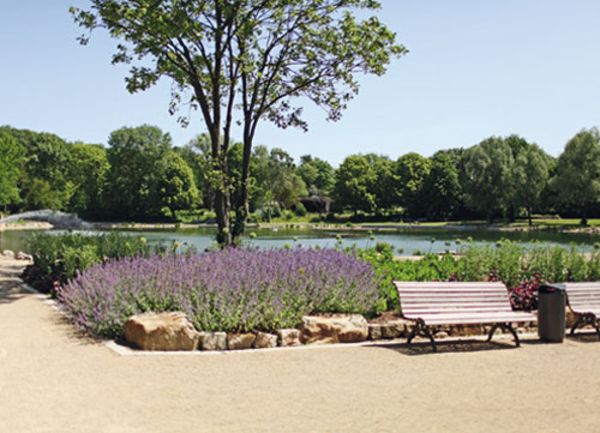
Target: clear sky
[{"x": 475, "y": 68}]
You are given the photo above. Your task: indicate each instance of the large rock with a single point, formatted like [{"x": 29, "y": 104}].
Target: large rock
[
  {"x": 351, "y": 328},
  {"x": 265, "y": 341},
  {"x": 375, "y": 331},
  {"x": 398, "y": 328},
  {"x": 161, "y": 331},
  {"x": 240, "y": 341},
  {"x": 9, "y": 254},
  {"x": 214, "y": 341},
  {"x": 22, "y": 256},
  {"x": 288, "y": 337}
]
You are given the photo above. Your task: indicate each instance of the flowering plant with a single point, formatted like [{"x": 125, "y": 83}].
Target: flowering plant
[{"x": 234, "y": 290}]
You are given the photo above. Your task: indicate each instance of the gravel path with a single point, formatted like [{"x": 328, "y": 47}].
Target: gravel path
[{"x": 51, "y": 380}]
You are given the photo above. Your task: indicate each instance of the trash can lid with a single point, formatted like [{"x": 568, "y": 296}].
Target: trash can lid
[{"x": 552, "y": 288}]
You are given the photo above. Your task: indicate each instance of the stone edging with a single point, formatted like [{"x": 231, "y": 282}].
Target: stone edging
[{"x": 122, "y": 350}]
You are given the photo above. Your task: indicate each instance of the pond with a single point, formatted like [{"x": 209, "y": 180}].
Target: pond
[{"x": 405, "y": 241}]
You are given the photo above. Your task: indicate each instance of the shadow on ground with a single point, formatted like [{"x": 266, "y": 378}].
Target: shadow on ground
[
  {"x": 587, "y": 335},
  {"x": 10, "y": 290},
  {"x": 453, "y": 346}
]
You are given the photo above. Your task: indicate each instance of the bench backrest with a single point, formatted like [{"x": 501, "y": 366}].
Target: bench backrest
[
  {"x": 583, "y": 296},
  {"x": 426, "y": 298}
]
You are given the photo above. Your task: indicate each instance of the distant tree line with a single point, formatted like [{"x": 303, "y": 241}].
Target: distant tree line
[{"x": 141, "y": 176}]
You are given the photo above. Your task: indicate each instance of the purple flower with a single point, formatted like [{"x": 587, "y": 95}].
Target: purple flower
[{"x": 229, "y": 290}]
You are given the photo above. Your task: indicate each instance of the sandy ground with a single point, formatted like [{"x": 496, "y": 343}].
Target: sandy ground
[{"x": 51, "y": 380}]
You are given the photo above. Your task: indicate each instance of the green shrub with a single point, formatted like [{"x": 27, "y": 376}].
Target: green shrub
[
  {"x": 58, "y": 257},
  {"x": 300, "y": 210},
  {"x": 509, "y": 262}
]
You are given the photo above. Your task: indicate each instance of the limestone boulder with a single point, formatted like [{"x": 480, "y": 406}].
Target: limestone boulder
[
  {"x": 288, "y": 337},
  {"x": 398, "y": 328},
  {"x": 212, "y": 341},
  {"x": 350, "y": 328},
  {"x": 375, "y": 331},
  {"x": 265, "y": 340},
  {"x": 161, "y": 331},
  {"x": 240, "y": 341}
]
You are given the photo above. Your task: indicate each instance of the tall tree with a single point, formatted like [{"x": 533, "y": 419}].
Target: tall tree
[
  {"x": 176, "y": 184},
  {"x": 355, "y": 184},
  {"x": 577, "y": 180},
  {"x": 487, "y": 177},
  {"x": 11, "y": 159},
  {"x": 530, "y": 176},
  {"x": 134, "y": 156},
  {"x": 442, "y": 191},
  {"x": 47, "y": 159},
  {"x": 87, "y": 171},
  {"x": 411, "y": 171},
  {"x": 251, "y": 59},
  {"x": 317, "y": 174}
]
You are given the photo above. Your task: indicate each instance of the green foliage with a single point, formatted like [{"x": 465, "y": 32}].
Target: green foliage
[
  {"x": 44, "y": 177},
  {"x": 274, "y": 179},
  {"x": 487, "y": 176},
  {"x": 11, "y": 159},
  {"x": 411, "y": 172},
  {"x": 511, "y": 263},
  {"x": 442, "y": 191},
  {"x": 58, "y": 258},
  {"x": 135, "y": 156},
  {"x": 531, "y": 173},
  {"x": 87, "y": 171},
  {"x": 355, "y": 184},
  {"x": 577, "y": 180},
  {"x": 261, "y": 60},
  {"x": 176, "y": 184},
  {"x": 317, "y": 174}
]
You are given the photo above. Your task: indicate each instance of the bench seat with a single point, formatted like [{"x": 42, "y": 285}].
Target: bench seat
[
  {"x": 432, "y": 305},
  {"x": 583, "y": 299}
]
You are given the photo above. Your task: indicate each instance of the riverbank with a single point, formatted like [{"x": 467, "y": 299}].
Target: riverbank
[{"x": 25, "y": 225}]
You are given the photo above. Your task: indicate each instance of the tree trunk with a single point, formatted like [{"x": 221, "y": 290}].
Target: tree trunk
[
  {"x": 584, "y": 220},
  {"x": 529, "y": 218},
  {"x": 242, "y": 206},
  {"x": 221, "y": 193}
]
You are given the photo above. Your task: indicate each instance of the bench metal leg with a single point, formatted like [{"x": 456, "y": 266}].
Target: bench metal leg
[
  {"x": 424, "y": 331},
  {"x": 505, "y": 327},
  {"x": 586, "y": 319},
  {"x": 576, "y": 324},
  {"x": 514, "y": 334},
  {"x": 492, "y": 331},
  {"x": 427, "y": 333},
  {"x": 413, "y": 334}
]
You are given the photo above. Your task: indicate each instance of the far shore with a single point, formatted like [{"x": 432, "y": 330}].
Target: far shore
[
  {"x": 25, "y": 225},
  {"x": 384, "y": 227}
]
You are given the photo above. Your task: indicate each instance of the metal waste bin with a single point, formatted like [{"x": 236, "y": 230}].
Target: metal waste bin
[{"x": 551, "y": 312}]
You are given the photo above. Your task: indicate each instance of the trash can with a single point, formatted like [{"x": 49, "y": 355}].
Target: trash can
[{"x": 551, "y": 312}]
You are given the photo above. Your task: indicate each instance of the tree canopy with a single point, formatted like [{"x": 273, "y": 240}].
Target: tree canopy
[{"x": 245, "y": 60}]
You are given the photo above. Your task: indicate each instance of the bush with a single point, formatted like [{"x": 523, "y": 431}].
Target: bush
[
  {"x": 233, "y": 290},
  {"x": 58, "y": 258},
  {"x": 300, "y": 210},
  {"x": 521, "y": 269}
]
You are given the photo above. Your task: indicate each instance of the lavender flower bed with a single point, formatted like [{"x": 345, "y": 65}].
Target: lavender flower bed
[{"x": 235, "y": 290}]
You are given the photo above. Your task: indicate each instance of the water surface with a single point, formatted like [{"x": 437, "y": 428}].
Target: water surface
[{"x": 404, "y": 241}]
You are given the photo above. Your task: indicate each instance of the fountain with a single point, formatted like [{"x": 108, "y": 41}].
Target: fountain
[{"x": 59, "y": 220}]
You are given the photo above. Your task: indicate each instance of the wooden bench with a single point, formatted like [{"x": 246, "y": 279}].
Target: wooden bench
[
  {"x": 438, "y": 305},
  {"x": 583, "y": 300}
]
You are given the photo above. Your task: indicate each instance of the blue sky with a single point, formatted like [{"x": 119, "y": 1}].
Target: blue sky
[{"x": 475, "y": 68}]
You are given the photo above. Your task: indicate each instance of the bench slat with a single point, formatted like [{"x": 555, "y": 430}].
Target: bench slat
[
  {"x": 455, "y": 303},
  {"x": 584, "y": 297}
]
